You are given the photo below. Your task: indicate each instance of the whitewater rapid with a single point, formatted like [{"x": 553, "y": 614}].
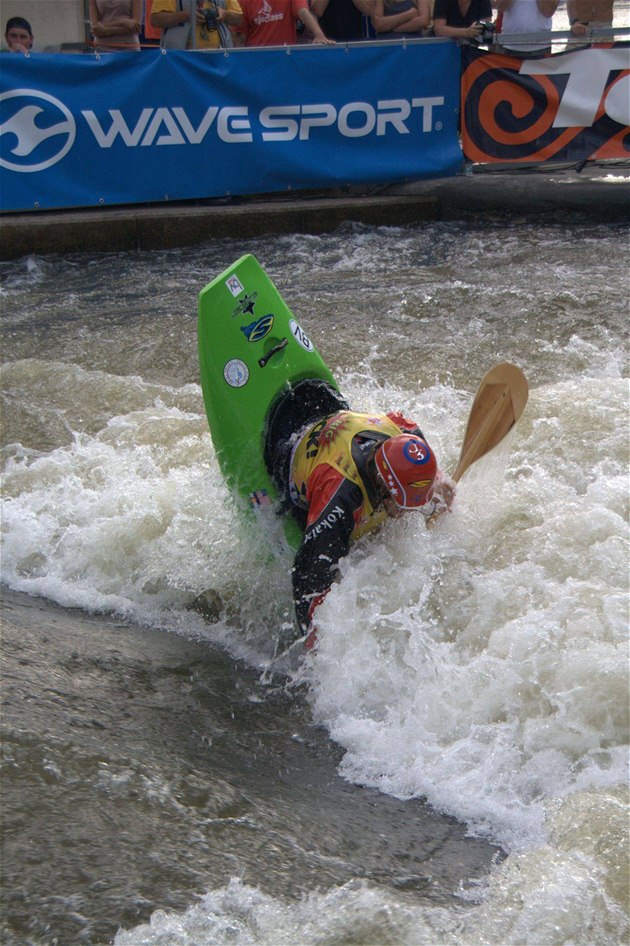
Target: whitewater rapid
[{"x": 481, "y": 666}]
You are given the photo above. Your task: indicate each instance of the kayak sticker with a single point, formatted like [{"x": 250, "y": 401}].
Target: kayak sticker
[
  {"x": 236, "y": 373},
  {"x": 234, "y": 285},
  {"x": 417, "y": 452},
  {"x": 245, "y": 305},
  {"x": 300, "y": 336},
  {"x": 256, "y": 331},
  {"x": 259, "y": 498}
]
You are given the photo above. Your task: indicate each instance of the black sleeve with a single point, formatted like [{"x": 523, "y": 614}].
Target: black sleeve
[
  {"x": 325, "y": 541},
  {"x": 440, "y": 10}
]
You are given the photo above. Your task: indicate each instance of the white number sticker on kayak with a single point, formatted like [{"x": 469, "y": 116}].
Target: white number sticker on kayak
[{"x": 300, "y": 336}]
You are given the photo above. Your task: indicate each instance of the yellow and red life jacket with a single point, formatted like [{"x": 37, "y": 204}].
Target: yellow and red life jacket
[{"x": 330, "y": 442}]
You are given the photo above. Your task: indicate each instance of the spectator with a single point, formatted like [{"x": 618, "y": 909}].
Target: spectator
[
  {"x": 395, "y": 19},
  {"x": 588, "y": 15},
  {"x": 342, "y": 20},
  {"x": 273, "y": 22},
  {"x": 450, "y": 20},
  {"x": 175, "y": 18},
  {"x": 19, "y": 35},
  {"x": 526, "y": 16},
  {"x": 115, "y": 24}
]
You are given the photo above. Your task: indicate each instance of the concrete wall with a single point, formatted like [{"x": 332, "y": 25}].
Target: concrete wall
[{"x": 53, "y": 21}]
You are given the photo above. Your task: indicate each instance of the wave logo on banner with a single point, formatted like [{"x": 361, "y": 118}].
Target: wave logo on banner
[
  {"x": 570, "y": 106},
  {"x": 37, "y": 130}
]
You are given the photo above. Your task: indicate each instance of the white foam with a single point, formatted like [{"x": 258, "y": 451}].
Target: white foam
[
  {"x": 546, "y": 896},
  {"x": 136, "y": 520},
  {"x": 483, "y": 666}
]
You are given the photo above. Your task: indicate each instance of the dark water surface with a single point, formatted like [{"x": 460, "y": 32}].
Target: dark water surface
[{"x": 140, "y": 768}]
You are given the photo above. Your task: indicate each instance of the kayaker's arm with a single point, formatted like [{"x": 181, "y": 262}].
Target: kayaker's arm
[
  {"x": 326, "y": 541},
  {"x": 406, "y": 425}
]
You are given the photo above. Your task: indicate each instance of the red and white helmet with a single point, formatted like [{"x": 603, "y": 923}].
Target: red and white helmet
[{"x": 407, "y": 467}]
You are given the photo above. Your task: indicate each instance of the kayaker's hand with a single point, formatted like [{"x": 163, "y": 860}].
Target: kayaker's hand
[{"x": 444, "y": 491}]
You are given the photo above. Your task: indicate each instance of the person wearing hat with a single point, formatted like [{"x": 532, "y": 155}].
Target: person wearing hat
[
  {"x": 18, "y": 35},
  {"x": 343, "y": 474}
]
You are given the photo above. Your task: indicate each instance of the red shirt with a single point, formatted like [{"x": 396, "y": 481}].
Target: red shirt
[{"x": 271, "y": 22}]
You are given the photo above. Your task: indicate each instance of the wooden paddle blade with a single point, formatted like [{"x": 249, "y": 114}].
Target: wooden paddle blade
[{"x": 498, "y": 404}]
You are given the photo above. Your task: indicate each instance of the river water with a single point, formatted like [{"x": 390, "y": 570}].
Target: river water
[{"x": 450, "y": 766}]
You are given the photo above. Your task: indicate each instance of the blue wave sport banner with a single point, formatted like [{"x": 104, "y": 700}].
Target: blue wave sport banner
[{"x": 122, "y": 128}]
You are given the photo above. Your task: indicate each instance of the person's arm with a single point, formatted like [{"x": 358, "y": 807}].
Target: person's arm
[
  {"x": 577, "y": 20},
  {"x": 407, "y": 425},
  {"x": 329, "y": 526},
  {"x": 572, "y": 10},
  {"x": 95, "y": 24},
  {"x": 136, "y": 15},
  {"x": 444, "y": 490},
  {"x": 395, "y": 23},
  {"x": 117, "y": 26},
  {"x": 424, "y": 15},
  {"x": 311, "y": 24},
  {"x": 230, "y": 15},
  {"x": 319, "y": 7},
  {"x": 419, "y": 19},
  {"x": 96, "y": 27},
  {"x": 440, "y": 28},
  {"x": 164, "y": 19}
]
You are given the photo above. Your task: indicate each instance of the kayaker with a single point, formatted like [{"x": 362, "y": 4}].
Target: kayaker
[{"x": 342, "y": 473}]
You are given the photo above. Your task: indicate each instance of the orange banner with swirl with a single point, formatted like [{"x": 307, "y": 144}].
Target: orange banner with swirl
[{"x": 570, "y": 106}]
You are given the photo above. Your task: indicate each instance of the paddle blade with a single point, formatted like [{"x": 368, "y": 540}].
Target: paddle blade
[{"x": 498, "y": 404}]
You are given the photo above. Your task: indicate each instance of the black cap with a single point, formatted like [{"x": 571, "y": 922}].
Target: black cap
[{"x": 21, "y": 24}]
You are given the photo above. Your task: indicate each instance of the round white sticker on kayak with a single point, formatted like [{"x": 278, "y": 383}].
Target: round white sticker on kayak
[
  {"x": 300, "y": 336},
  {"x": 236, "y": 373}
]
